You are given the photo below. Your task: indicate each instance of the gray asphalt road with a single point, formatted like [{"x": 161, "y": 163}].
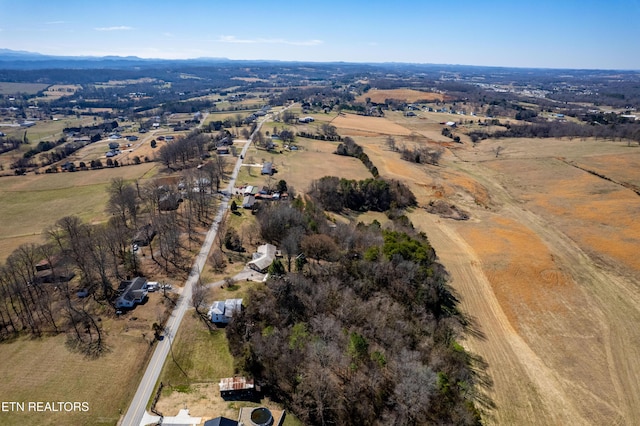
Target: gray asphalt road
[{"x": 135, "y": 413}]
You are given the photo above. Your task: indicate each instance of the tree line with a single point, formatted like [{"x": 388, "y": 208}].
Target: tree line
[
  {"x": 350, "y": 148},
  {"x": 629, "y": 131}
]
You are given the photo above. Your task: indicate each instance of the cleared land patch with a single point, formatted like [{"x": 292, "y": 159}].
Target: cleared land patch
[{"x": 45, "y": 370}]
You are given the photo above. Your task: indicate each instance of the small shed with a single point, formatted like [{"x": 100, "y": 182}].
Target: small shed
[
  {"x": 236, "y": 387},
  {"x": 267, "y": 168},
  {"x": 248, "y": 201}
]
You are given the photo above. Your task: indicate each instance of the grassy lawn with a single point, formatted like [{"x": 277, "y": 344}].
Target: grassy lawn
[{"x": 198, "y": 355}]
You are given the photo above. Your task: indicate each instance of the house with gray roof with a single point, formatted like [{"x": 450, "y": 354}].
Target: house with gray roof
[
  {"x": 263, "y": 258},
  {"x": 133, "y": 293}
]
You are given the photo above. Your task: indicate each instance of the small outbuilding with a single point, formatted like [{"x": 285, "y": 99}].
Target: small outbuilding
[
  {"x": 237, "y": 388},
  {"x": 248, "y": 201},
  {"x": 221, "y": 421},
  {"x": 267, "y": 168}
]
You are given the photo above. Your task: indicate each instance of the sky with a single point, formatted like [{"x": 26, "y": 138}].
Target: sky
[{"x": 591, "y": 34}]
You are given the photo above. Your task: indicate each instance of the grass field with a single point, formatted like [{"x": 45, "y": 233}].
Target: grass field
[
  {"x": 45, "y": 370},
  {"x": 7, "y": 88},
  {"x": 29, "y": 204}
]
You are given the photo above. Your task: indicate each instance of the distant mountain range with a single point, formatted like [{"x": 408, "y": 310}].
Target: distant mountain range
[{"x": 20, "y": 59}]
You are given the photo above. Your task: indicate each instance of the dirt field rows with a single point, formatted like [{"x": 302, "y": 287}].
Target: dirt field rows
[{"x": 545, "y": 267}]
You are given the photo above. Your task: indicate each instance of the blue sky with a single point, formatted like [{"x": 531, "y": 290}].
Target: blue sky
[{"x": 550, "y": 34}]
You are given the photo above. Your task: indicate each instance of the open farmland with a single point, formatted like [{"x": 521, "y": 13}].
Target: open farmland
[
  {"x": 8, "y": 88},
  {"x": 406, "y": 95},
  {"x": 545, "y": 268},
  {"x": 29, "y": 204}
]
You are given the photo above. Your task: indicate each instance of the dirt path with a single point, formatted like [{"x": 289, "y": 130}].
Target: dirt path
[{"x": 556, "y": 326}]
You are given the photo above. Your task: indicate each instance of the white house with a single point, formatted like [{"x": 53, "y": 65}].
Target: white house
[{"x": 222, "y": 312}]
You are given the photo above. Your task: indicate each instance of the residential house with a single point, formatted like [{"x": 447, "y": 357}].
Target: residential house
[
  {"x": 134, "y": 293},
  {"x": 221, "y": 312},
  {"x": 169, "y": 201},
  {"x": 263, "y": 258},
  {"x": 56, "y": 269}
]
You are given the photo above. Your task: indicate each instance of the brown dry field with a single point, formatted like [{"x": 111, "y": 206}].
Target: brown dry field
[
  {"x": 46, "y": 370},
  {"x": 313, "y": 161},
  {"x": 408, "y": 95},
  {"x": 362, "y": 125},
  {"x": 545, "y": 268}
]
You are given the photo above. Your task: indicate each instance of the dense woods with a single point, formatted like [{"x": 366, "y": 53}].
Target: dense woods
[
  {"x": 336, "y": 194},
  {"x": 365, "y": 334}
]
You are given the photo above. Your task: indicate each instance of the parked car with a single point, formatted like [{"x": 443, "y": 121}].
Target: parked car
[{"x": 82, "y": 293}]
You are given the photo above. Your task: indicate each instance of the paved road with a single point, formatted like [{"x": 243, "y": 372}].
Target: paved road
[{"x": 136, "y": 411}]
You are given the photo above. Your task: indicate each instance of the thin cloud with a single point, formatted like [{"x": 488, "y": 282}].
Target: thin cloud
[
  {"x": 234, "y": 39},
  {"x": 56, "y": 22},
  {"x": 120, "y": 28}
]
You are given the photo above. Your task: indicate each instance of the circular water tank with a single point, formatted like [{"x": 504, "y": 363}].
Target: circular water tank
[{"x": 261, "y": 416}]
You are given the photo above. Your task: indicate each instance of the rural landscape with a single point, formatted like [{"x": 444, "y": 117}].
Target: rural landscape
[{"x": 393, "y": 244}]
